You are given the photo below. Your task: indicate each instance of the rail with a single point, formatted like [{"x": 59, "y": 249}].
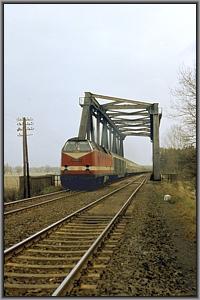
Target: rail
[
  {"x": 33, "y": 198},
  {"x": 57, "y": 231},
  {"x": 78, "y": 267},
  {"x": 38, "y": 204}
]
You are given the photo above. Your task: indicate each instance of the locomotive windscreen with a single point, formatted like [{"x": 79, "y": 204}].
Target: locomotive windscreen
[{"x": 77, "y": 146}]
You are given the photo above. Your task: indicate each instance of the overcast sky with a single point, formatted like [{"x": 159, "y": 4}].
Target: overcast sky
[{"x": 53, "y": 53}]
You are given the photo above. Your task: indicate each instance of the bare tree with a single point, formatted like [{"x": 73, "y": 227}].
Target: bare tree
[
  {"x": 184, "y": 104},
  {"x": 176, "y": 138}
]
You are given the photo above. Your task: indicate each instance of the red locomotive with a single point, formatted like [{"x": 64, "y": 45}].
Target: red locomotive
[{"x": 86, "y": 165}]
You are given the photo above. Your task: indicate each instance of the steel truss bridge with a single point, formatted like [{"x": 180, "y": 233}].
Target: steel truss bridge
[{"x": 110, "y": 119}]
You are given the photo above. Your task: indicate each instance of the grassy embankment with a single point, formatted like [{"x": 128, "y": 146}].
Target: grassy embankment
[
  {"x": 183, "y": 207},
  {"x": 11, "y": 188}
]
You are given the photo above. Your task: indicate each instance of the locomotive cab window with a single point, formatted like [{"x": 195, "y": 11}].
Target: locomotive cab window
[
  {"x": 69, "y": 147},
  {"x": 77, "y": 146},
  {"x": 84, "y": 146}
]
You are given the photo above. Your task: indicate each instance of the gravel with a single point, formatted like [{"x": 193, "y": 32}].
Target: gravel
[
  {"x": 153, "y": 257},
  {"x": 22, "y": 225}
]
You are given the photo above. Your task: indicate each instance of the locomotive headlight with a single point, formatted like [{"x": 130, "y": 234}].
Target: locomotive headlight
[{"x": 87, "y": 168}]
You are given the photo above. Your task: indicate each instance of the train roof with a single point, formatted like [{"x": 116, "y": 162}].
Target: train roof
[{"x": 77, "y": 139}]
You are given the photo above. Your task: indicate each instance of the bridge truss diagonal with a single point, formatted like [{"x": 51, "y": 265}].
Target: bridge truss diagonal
[{"x": 109, "y": 120}]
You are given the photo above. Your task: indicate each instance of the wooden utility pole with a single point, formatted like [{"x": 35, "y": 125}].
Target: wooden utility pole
[
  {"x": 24, "y": 157},
  {"x": 24, "y": 122}
]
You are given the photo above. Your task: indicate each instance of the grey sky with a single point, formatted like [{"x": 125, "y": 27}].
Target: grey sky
[{"x": 56, "y": 52}]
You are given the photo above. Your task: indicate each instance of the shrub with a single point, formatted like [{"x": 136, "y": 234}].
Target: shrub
[{"x": 10, "y": 195}]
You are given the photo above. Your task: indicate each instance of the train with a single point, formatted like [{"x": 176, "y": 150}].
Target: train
[{"x": 86, "y": 165}]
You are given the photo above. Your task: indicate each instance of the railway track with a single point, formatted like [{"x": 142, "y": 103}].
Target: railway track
[
  {"x": 24, "y": 204},
  {"x": 49, "y": 262},
  {"x": 28, "y": 203}
]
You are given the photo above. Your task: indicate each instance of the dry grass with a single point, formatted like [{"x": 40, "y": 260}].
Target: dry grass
[
  {"x": 11, "y": 182},
  {"x": 11, "y": 188},
  {"x": 10, "y": 195},
  {"x": 184, "y": 206}
]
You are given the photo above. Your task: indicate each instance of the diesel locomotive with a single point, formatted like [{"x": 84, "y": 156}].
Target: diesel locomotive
[{"x": 86, "y": 166}]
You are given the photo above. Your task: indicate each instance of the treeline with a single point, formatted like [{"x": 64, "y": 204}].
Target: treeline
[
  {"x": 10, "y": 170},
  {"x": 179, "y": 161},
  {"x": 179, "y": 156}
]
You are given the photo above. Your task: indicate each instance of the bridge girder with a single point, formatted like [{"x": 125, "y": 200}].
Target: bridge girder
[{"x": 117, "y": 119}]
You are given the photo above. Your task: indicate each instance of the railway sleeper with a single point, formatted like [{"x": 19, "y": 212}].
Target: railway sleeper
[
  {"x": 88, "y": 282},
  {"x": 34, "y": 280},
  {"x": 73, "y": 235},
  {"x": 62, "y": 241},
  {"x": 30, "y": 286},
  {"x": 40, "y": 261},
  {"x": 83, "y": 230},
  {"x": 34, "y": 275},
  {"x": 71, "y": 238},
  {"x": 29, "y": 266},
  {"x": 46, "y": 246},
  {"x": 70, "y": 252},
  {"x": 51, "y": 259}
]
